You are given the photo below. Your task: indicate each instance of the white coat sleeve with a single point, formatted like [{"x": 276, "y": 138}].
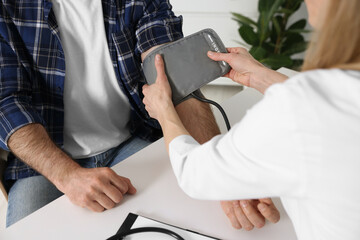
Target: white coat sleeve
[{"x": 259, "y": 157}]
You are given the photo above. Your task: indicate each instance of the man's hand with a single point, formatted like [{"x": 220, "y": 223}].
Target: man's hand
[
  {"x": 96, "y": 189},
  {"x": 248, "y": 214}
]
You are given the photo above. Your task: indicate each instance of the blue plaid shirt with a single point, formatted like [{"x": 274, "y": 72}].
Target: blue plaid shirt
[{"x": 32, "y": 64}]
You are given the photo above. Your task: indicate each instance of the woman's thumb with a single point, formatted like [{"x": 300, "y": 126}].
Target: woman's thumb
[
  {"x": 160, "y": 67},
  {"x": 216, "y": 56}
]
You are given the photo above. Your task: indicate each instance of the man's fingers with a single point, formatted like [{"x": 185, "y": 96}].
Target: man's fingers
[
  {"x": 160, "y": 67},
  {"x": 113, "y": 193},
  {"x": 95, "y": 206},
  {"x": 252, "y": 214},
  {"x": 131, "y": 188},
  {"x": 105, "y": 201},
  {"x": 123, "y": 184},
  {"x": 241, "y": 217},
  {"x": 117, "y": 181},
  {"x": 268, "y": 210}
]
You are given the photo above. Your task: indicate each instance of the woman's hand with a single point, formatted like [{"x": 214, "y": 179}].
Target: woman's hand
[
  {"x": 157, "y": 97},
  {"x": 158, "y": 103},
  {"x": 248, "y": 214},
  {"x": 246, "y": 70}
]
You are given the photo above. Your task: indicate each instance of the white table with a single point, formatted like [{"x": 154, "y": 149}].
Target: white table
[{"x": 158, "y": 197}]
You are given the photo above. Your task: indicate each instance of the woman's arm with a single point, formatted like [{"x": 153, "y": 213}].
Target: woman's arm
[{"x": 159, "y": 105}]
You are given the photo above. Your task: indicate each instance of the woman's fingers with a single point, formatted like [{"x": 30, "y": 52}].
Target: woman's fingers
[
  {"x": 227, "y": 57},
  {"x": 160, "y": 69},
  {"x": 269, "y": 210},
  {"x": 229, "y": 212},
  {"x": 252, "y": 213},
  {"x": 242, "y": 217},
  {"x": 249, "y": 213},
  {"x": 216, "y": 56},
  {"x": 156, "y": 96},
  {"x": 234, "y": 50}
]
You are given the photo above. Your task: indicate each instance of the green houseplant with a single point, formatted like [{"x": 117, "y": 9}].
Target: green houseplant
[{"x": 272, "y": 41}]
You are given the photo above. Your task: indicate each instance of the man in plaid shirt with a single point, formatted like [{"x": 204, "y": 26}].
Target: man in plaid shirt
[{"x": 71, "y": 101}]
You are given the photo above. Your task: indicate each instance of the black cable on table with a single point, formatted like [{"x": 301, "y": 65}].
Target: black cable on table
[{"x": 122, "y": 235}]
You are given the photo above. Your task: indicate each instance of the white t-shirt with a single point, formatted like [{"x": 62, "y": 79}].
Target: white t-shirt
[
  {"x": 97, "y": 112},
  {"x": 300, "y": 143}
]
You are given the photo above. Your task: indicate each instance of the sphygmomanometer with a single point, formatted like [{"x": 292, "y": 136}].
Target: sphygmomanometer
[{"x": 188, "y": 67}]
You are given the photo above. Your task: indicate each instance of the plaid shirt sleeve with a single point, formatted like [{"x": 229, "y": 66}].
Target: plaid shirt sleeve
[
  {"x": 158, "y": 25},
  {"x": 16, "y": 109}
]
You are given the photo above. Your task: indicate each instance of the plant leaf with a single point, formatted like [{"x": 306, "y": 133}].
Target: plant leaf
[
  {"x": 263, "y": 27},
  {"x": 276, "y": 25},
  {"x": 297, "y": 5},
  {"x": 277, "y": 29},
  {"x": 292, "y": 5},
  {"x": 258, "y": 53},
  {"x": 247, "y": 33},
  {"x": 267, "y": 9},
  {"x": 273, "y": 35},
  {"x": 286, "y": 11},
  {"x": 277, "y": 61},
  {"x": 265, "y": 5},
  {"x": 269, "y": 46},
  {"x": 301, "y": 24},
  {"x": 243, "y": 19},
  {"x": 275, "y": 6},
  {"x": 298, "y": 31},
  {"x": 296, "y": 48},
  {"x": 290, "y": 40}
]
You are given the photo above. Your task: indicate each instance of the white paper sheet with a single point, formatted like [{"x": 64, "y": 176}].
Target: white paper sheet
[{"x": 145, "y": 222}]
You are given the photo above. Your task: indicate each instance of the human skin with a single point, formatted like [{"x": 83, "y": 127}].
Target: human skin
[
  {"x": 315, "y": 8},
  {"x": 245, "y": 214},
  {"x": 99, "y": 188},
  {"x": 249, "y": 72}
]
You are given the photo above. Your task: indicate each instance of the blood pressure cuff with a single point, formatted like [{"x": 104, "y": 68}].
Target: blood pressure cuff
[{"x": 186, "y": 63}]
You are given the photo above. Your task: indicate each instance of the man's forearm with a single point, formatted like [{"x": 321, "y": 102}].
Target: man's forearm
[
  {"x": 33, "y": 146},
  {"x": 198, "y": 119}
]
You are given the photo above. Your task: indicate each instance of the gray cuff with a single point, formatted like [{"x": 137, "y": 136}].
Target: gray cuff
[{"x": 197, "y": 93}]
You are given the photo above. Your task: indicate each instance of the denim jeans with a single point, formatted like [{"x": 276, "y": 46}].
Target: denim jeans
[{"x": 29, "y": 194}]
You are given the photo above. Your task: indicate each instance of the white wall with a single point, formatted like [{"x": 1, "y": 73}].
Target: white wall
[{"x": 216, "y": 14}]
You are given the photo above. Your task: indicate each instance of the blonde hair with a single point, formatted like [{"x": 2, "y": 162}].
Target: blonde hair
[{"x": 337, "y": 43}]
